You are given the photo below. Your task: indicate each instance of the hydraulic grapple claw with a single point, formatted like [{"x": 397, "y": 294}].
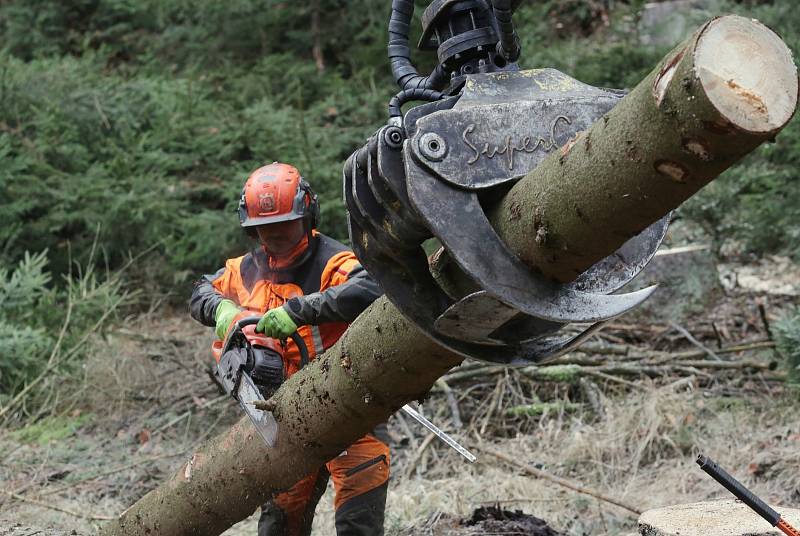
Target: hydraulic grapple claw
[{"x": 425, "y": 175}]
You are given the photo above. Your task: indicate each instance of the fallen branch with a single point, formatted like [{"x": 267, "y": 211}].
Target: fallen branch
[
  {"x": 693, "y": 354},
  {"x": 451, "y": 401},
  {"x": 539, "y": 473},
  {"x": 186, "y": 413},
  {"x": 412, "y": 463},
  {"x": 689, "y": 337},
  {"x": 108, "y": 472},
  {"x": 610, "y": 378},
  {"x": 562, "y": 369},
  {"x": 56, "y": 508},
  {"x": 592, "y": 394},
  {"x": 540, "y": 408}
]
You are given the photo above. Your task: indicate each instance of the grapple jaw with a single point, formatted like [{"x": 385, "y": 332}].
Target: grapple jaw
[{"x": 427, "y": 178}]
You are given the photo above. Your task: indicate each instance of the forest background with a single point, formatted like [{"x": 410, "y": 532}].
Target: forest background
[{"x": 127, "y": 128}]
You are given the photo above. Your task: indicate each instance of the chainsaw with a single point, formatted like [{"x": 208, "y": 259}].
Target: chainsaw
[{"x": 250, "y": 368}]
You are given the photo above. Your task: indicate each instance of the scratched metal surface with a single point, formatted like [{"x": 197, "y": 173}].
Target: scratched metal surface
[
  {"x": 398, "y": 194},
  {"x": 505, "y": 123}
]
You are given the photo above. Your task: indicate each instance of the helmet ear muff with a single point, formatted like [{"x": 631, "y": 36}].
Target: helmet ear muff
[
  {"x": 312, "y": 209},
  {"x": 242, "y": 208}
]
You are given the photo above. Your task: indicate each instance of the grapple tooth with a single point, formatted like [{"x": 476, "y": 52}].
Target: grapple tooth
[
  {"x": 403, "y": 188},
  {"x": 387, "y": 221},
  {"x": 477, "y": 316},
  {"x": 476, "y": 248},
  {"x": 405, "y": 277}
]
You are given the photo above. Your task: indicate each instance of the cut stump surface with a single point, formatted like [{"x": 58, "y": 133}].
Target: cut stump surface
[{"x": 711, "y": 518}]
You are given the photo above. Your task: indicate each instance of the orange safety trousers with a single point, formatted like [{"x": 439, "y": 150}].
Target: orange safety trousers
[{"x": 359, "y": 475}]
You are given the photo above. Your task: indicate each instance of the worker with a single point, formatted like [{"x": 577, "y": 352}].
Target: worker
[{"x": 304, "y": 281}]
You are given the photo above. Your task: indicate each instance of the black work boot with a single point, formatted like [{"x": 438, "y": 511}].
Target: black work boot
[{"x": 362, "y": 515}]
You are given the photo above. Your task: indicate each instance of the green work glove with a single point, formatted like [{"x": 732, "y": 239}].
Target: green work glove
[
  {"x": 277, "y": 324},
  {"x": 223, "y": 316}
]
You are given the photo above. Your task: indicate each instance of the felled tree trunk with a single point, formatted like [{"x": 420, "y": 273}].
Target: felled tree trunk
[
  {"x": 677, "y": 130},
  {"x": 713, "y": 99}
]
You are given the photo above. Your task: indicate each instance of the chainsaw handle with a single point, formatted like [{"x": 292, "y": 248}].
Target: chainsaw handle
[
  {"x": 296, "y": 338},
  {"x": 248, "y": 321},
  {"x": 301, "y": 345}
]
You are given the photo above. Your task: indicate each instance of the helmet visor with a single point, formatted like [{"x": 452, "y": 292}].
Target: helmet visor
[{"x": 281, "y": 238}]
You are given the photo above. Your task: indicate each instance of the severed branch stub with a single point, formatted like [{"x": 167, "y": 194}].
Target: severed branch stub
[{"x": 264, "y": 405}]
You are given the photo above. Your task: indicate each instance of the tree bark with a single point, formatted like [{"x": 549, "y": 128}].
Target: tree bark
[
  {"x": 713, "y": 99},
  {"x": 383, "y": 361}
]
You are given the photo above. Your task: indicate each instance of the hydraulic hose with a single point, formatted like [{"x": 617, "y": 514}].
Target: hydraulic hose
[
  {"x": 509, "y": 41},
  {"x": 399, "y": 51},
  {"x": 406, "y": 95}
]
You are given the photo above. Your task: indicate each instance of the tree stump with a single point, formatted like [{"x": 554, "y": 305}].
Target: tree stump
[
  {"x": 711, "y": 518},
  {"x": 10, "y": 528}
]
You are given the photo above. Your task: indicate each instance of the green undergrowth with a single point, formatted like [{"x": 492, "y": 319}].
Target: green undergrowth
[
  {"x": 47, "y": 329},
  {"x": 51, "y": 428},
  {"x": 787, "y": 338},
  {"x": 141, "y": 119}
]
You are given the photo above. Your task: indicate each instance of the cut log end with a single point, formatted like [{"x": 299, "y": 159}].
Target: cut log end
[{"x": 748, "y": 74}]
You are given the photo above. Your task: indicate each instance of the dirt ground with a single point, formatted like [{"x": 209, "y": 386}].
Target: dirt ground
[{"x": 145, "y": 402}]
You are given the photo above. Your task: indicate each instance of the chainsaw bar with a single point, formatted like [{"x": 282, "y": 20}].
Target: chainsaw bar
[
  {"x": 438, "y": 432},
  {"x": 247, "y": 394},
  {"x": 232, "y": 375}
]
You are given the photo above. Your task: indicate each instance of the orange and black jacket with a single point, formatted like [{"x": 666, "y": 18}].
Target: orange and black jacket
[{"x": 322, "y": 295}]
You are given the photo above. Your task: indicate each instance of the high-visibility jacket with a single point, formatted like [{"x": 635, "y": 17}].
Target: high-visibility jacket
[{"x": 322, "y": 295}]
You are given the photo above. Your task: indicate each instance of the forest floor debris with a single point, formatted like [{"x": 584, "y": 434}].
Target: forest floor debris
[
  {"x": 485, "y": 520},
  {"x": 625, "y": 416}
]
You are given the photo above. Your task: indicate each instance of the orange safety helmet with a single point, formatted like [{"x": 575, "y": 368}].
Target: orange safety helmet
[{"x": 277, "y": 193}]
